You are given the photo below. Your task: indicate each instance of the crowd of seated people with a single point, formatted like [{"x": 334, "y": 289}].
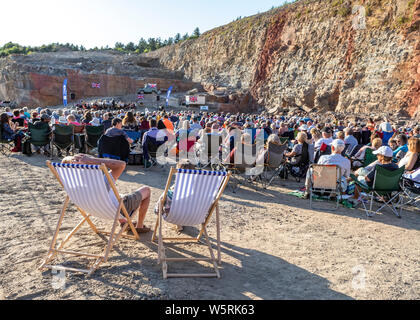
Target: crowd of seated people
[{"x": 309, "y": 140}]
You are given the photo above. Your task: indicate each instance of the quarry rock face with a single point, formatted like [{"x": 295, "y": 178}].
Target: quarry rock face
[
  {"x": 37, "y": 79},
  {"x": 329, "y": 55}
]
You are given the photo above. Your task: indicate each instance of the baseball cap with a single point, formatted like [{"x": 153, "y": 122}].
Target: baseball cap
[
  {"x": 385, "y": 151},
  {"x": 45, "y": 117},
  {"x": 327, "y": 130},
  {"x": 303, "y": 128},
  {"x": 338, "y": 143}
]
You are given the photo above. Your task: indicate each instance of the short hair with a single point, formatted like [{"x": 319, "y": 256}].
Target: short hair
[
  {"x": 348, "y": 131},
  {"x": 301, "y": 137},
  {"x": 340, "y": 135},
  {"x": 153, "y": 123},
  {"x": 116, "y": 121},
  {"x": 273, "y": 138},
  {"x": 377, "y": 143},
  {"x": 403, "y": 138}
]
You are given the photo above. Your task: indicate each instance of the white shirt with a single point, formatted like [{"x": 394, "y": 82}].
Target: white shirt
[
  {"x": 338, "y": 160},
  {"x": 385, "y": 127},
  {"x": 327, "y": 141}
]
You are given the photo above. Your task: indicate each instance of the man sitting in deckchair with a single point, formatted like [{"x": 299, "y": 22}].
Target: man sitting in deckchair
[{"x": 138, "y": 200}]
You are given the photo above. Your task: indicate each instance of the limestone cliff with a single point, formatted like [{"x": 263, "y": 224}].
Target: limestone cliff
[{"x": 336, "y": 55}]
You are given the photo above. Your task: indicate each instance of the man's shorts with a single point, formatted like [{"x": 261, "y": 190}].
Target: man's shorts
[{"x": 132, "y": 202}]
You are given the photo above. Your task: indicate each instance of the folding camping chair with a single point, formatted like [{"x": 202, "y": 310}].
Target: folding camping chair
[
  {"x": 39, "y": 135},
  {"x": 5, "y": 145},
  {"x": 208, "y": 154},
  {"x": 411, "y": 190},
  {"x": 273, "y": 166},
  {"x": 243, "y": 169},
  {"x": 79, "y": 137},
  {"x": 325, "y": 179},
  {"x": 86, "y": 188},
  {"x": 93, "y": 134},
  {"x": 62, "y": 139},
  {"x": 369, "y": 157},
  {"x": 195, "y": 198},
  {"x": 385, "y": 184}
]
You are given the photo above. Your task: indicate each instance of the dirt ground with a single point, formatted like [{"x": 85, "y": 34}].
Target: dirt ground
[{"x": 273, "y": 246}]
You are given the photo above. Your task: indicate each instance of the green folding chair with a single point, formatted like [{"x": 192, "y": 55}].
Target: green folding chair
[
  {"x": 386, "y": 187},
  {"x": 62, "y": 139},
  {"x": 92, "y": 136},
  {"x": 39, "y": 134},
  {"x": 284, "y": 140},
  {"x": 369, "y": 157}
]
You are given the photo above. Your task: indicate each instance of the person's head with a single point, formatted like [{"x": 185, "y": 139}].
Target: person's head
[
  {"x": 71, "y": 118},
  {"x": 185, "y": 164},
  {"x": 392, "y": 143},
  {"x": 129, "y": 118},
  {"x": 316, "y": 134},
  {"x": 414, "y": 145},
  {"x": 117, "y": 123},
  {"x": 301, "y": 137},
  {"x": 303, "y": 128},
  {"x": 4, "y": 118},
  {"x": 402, "y": 139},
  {"x": 45, "y": 118},
  {"x": 327, "y": 132},
  {"x": 337, "y": 146},
  {"x": 377, "y": 143},
  {"x": 273, "y": 138},
  {"x": 215, "y": 127},
  {"x": 152, "y": 123},
  {"x": 105, "y": 116},
  {"x": 340, "y": 135},
  {"x": 384, "y": 154},
  {"x": 246, "y": 138},
  {"x": 16, "y": 113},
  {"x": 34, "y": 115},
  {"x": 348, "y": 132}
]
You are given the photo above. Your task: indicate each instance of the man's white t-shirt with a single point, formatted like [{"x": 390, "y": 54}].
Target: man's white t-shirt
[
  {"x": 327, "y": 141},
  {"x": 385, "y": 127}
]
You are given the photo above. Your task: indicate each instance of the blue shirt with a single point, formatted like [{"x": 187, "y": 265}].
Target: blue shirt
[{"x": 403, "y": 148}]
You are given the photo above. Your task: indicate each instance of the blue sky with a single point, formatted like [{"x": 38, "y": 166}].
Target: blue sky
[{"x": 103, "y": 22}]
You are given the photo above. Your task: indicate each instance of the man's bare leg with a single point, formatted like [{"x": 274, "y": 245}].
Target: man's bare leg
[{"x": 145, "y": 194}]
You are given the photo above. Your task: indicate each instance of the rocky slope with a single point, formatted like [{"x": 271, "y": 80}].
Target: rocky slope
[
  {"x": 336, "y": 55},
  {"x": 37, "y": 79}
]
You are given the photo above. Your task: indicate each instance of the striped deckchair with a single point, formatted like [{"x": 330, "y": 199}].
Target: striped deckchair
[
  {"x": 195, "y": 197},
  {"x": 85, "y": 186}
]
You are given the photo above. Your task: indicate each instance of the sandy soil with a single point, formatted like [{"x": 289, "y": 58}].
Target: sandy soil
[{"x": 273, "y": 246}]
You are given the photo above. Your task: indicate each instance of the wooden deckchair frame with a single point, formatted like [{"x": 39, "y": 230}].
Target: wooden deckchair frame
[
  {"x": 113, "y": 237},
  {"x": 161, "y": 248}
]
